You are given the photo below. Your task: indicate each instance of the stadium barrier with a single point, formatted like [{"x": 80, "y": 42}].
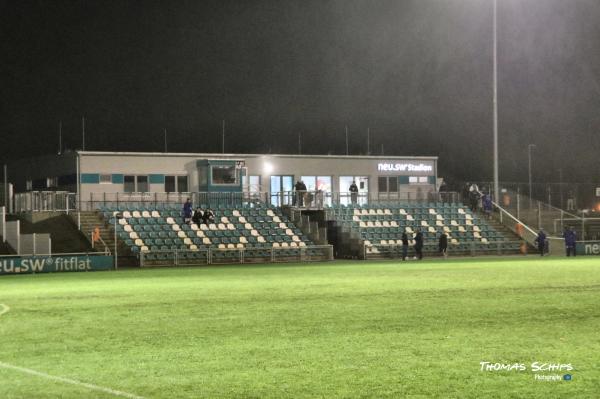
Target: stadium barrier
[
  {"x": 212, "y": 256},
  {"x": 394, "y": 251},
  {"x": 45, "y": 201}
]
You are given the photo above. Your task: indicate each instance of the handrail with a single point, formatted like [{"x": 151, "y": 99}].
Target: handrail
[{"x": 514, "y": 218}]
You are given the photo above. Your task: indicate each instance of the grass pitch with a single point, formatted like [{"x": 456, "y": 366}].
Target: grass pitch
[{"x": 344, "y": 329}]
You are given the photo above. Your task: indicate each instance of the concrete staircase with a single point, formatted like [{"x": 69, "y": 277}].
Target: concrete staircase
[{"x": 89, "y": 221}]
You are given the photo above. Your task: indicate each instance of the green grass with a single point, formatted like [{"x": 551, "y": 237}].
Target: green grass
[{"x": 345, "y": 329}]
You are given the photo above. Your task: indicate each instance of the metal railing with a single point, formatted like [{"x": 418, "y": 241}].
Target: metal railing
[
  {"x": 45, "y": 201},
  {"x": 236, "y": 255},
  {"x": 394, "y": 251}
]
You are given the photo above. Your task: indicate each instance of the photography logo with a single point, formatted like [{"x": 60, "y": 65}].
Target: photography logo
[{"x": 542, "y": 371}]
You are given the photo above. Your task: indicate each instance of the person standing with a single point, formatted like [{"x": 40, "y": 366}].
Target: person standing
[
  {"x": 404, "y": 239},
  {"x": 443, "y": 244},
  {"x": 353, "y": 192},
  {"x": 570, "y": 241},
  {"x": 541, "y": 242},
  {"x": 487, "y": 205},
  {"x": 296, "y": 199},
  {"x": 187, "y": 211},
  {"x": 419, "y": 245}
]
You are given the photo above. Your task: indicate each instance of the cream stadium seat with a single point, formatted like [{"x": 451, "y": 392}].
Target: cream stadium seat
[
  {"x": 239, "y": 246},
  {"x": 378, "y": 223},
  {"x": 284, "y": 245},
  {"x": 128, "y": 228},
  {"x": 133, "y": 235},
  {"x": 454, "y": 241},
  {"x": 372, "y": 212},
  {"x": 127, "y": 214},
  {"x": 293, "y": 245},
  {"x": 123, "y": 222},
  {"x": 469, "y": 222},
  {"x": 439, "y": 223},
  {"x": 461, "y": 211},
  {"x": 453, "y": 223},
  {"x": 193, "y": 247},
  {"x": 276, "y": 219},
  {"x": 139, "y": 242},
  {"x": 230, "y": 226},
  {"x": 477, "y": 235},
  {"x": 204, "y": 227},
  {"x": 275, "y": 245},
  {"x": 283, "y": 226},
  {"x": 170, "y": 220},
  {"x": 194, "y": 226},
  {"x": 242, "y": 220},
  {"x": 289, "y": 232},
  {"x": 403, "y": 212},
  {"x": 431, "y": 229},
  {"x": 355, "y": 218},
  {"x": 409, "y": 229},
  {"x": 231, "y": 246},
  {"x": 393, "y": 223},
  {"x": 383, "y": 242},
  {"x": 236, "y": 213},
  {"x": 386, "y": 223},
  {"x": 270, "y": 213},
  {"x": 146, "y": 214},
  {"x": 175, "y": 227},
  {"x": 187, "y": 241},
  {"x": 364, "y": 212},
  {"x": 144, "y": 248},
  {"x": 248, "y": 226},
  {"x": 301, "y": 244},
  {"x": 370, "y": 224},
  {"x": 409, "y": 217},
  {"x": 424, "y": 223},
  {"x": 206, "y": 241},
  {"x": 380, "y": 211},
  {"x": 254, "y": 233},
  {"x": 476, "y": 228},
  {"x": 446, "y": 229},
  {"x": 224, "y": 220},
  {"x": 296, "y": 239},
  {"x": 439, "y": 217},
  {"x": 222, "y": 226},
  {"x": 136, "y": 214},
  {"x": 261, "y": 239},
  {"x": 200, "y": 234},
  {"x": 362, "y": 224},
  {"x": 356, "y": 212},
  {"x": 387, "y": 212},
  {"x": 243, "y": 240},
  {"x": 212, "y": 226},
  {"x": 432, "y": 211},
  {"x": 462, "y": 229},
  {"x": 155, "y": 214},
  {"x": 222, "y": 246},
  {"x": 484, "y": 240},
  {"x": 181, "y": 234}
]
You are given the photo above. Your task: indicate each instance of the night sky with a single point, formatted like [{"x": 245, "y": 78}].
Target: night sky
[{"x": 418, "y": 73}]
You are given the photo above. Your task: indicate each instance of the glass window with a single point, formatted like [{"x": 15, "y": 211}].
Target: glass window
[
  {"x": 324, "y": 183},
  {"x": 182, "y": 184},
  {"x": 52, "y": 182},
  {"x": 142, "y": 184},
  {"x": 251, "y": 183},
  {"x": 310, "y": 182},
  {"x": 105, "y": 179},
  {"x": 170, "y": 184},
  {"x": 422, "y": 179},
  {"x": 393, "y": 184},
  {"x": 413, "y": 179},
  {"x": 223, "y": 174},
  {"x": 382, "y": 183},
  {"x": 129, "y": 184}
]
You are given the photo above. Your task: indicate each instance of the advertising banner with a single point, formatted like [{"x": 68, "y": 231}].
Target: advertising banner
[
  {"x": 588, "y": 248},
  {"x": 55, "y": 263}
]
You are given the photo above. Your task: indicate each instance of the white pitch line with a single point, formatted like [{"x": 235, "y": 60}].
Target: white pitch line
[
  {"x": 5, "y": 309},
  {"x": 70, "y": 381}
]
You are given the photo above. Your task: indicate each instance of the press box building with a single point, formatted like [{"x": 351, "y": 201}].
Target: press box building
[{"x": 97, "y": 176}]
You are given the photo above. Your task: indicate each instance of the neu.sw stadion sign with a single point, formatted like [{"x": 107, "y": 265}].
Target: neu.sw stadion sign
[
  {"x": 587, "y": 248},
  {"x": 55, "y": 263}
]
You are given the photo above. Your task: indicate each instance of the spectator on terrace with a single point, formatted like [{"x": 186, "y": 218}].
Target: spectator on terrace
[
  {"x": 353, "y": 192},
  {"x": 208, "y": 217},
  {"x": 187, "y": 211},
  {"x": 487, "y": 205},
  {"x": 197, "y": 218}
]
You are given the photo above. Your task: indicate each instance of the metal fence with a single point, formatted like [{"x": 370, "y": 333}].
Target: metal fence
[
  {"x": 214, "y": 256},
  {"x": 45, "y": 201},
  {"x": 394, "y": 251}
]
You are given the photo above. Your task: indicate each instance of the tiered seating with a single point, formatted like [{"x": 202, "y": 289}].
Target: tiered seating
[
  {"x": 382, "y": 225},
  {"x": 161, "y": 228}
]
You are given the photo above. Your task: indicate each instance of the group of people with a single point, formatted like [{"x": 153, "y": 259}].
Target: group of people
[
  {"x": 303, "y": 197},
  {"x": 198, "y": 216},
  {"x": 419, "y": 242},
  {"x": 569, "y": 235},
  {"x": 478, "y": 198}
]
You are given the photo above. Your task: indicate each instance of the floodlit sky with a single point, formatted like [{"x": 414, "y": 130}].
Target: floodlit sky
[{"x": 418, "y": 73}]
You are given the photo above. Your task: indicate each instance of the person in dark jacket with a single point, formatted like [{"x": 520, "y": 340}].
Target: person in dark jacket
[
  {"x": 300, "y": 189},
  {"x": 404, "y": 245},
  {"x": 419, "y": 245},
  {"x": 208, "y": 217},
  {"x": 443, "y": 244},
  {"x": 541, "y": 242},
  {"x": 570, "y": 241},
  {"x": 353, "y": 192},
  {"x": 187, "y": 211},
  {"x": 197, "y": 218}
]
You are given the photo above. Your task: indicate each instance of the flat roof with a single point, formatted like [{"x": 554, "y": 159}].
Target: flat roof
[{"x": 232, "y": 155}]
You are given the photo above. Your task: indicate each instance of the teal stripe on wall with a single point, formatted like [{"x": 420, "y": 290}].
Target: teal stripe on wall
[
  {"x": 403, "y": 179},
  {"x": 431, "y": 179},
  {"x": 157, "y": 179},
  {"x": 90, "y": 178},
  {"x": 117, "y": 178}
]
